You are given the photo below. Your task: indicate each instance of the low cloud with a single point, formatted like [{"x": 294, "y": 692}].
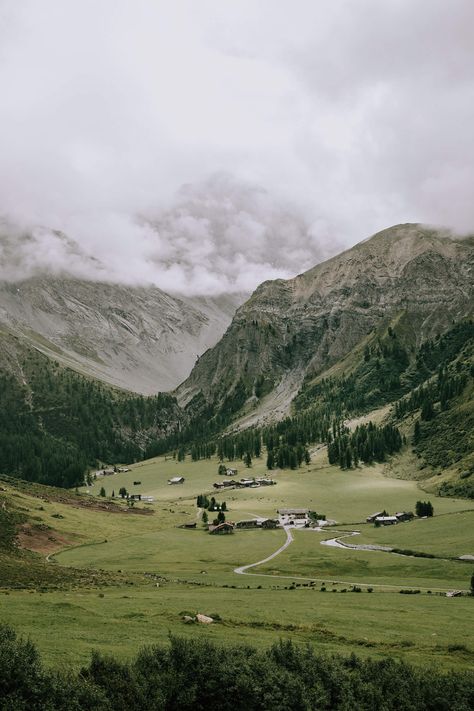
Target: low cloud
[
  {"x": 220, "y": 236},
  {"x": 207, "y": 149}
]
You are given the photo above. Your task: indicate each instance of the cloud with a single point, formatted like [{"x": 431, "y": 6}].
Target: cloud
[{"x": 297, "y": 127}]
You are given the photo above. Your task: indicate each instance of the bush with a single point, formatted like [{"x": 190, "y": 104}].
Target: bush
[{"x": 195, "y": 674}]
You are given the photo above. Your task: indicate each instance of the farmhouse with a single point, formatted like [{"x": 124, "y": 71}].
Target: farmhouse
[
  {"x": 294, "y": 513},
  {"x": 226, "y": 484},
  {"x": 176, "y": 480},
  {"x": 386, "y": 520},
  {"x": 404, "y": 516},
  {"x": 245, "y": 483},
  {"x": 251, "y": 523},
  {"x": 372, "y": 517},
  {"x": 221, "y": 528},
  {"x": 270, "y": 523}
]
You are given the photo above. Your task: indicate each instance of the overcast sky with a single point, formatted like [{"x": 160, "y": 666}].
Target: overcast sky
[{"x": 296, "y": 128}]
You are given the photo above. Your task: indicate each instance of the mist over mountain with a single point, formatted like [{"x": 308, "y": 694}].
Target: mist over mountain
[{"x": 220, "y": 236}]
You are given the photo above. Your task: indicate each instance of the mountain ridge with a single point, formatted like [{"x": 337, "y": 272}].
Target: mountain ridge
[{"x": 308, "y": 323}]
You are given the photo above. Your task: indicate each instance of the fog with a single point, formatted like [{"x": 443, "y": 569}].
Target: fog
[{"x": 205, "y": 147}]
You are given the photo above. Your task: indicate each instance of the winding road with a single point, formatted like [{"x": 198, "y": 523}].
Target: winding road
[{"x": 243, "y": 569}]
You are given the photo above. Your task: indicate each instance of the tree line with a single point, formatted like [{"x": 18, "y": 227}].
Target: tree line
[{"x": 368, "y": 443}]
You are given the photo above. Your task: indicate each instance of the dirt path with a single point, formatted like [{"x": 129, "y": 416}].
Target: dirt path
[{"x": 243, "y": 569}]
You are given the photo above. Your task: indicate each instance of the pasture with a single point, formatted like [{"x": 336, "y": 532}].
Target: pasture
[{"x": 277, "y": 599}]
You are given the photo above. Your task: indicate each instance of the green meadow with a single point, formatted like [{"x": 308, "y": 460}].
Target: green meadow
[{"x": 303, "y": 593}]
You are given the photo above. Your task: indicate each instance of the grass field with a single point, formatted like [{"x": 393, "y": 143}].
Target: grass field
[
  {"x": 259, "y": 609},
  {"x": 424, "y": 629},
  {"x": 346, "y": 496}
]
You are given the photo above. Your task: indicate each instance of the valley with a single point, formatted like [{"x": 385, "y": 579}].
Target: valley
[
  {"x": 195, "y": 571},
  {"x": 351, "y": 389}
]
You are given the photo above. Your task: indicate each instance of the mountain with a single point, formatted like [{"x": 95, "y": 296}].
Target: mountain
[
  {"x": 137, "y": 338},
  {"x": 292, "y": 330}
]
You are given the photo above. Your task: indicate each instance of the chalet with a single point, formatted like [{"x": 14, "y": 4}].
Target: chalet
[
  {"x": 176, "y": 480},
  {"x": 148, "y": 499},
  {"x": 454, "y": 593},
  {"x": 386, "y": 520},
  {"x": 251, "y": 523},
  {"x": 270, "y": 523},
  {"x": 123, "y": 469},
  {"x": 263, "y": 481},
  {"x": 221, "y": 528},
  {"x": 189, "y": 525},
  {"x": 231, "y": 472},
  {"x": 246, "y": 483},
  {"x": 294, "y": 513},
  {"x": 226, "y": 484},
  {"x": 404, "y": 516},
  {"x": 372, "y": 517}
]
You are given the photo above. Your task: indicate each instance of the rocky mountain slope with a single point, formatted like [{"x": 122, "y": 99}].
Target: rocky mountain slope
[
  {"x": 297, "y": 328},
  {"x": 139, "y": 339}
]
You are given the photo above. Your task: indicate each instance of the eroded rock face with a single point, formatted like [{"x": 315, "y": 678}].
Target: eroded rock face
[
  {"x": 306, "y": 324},
  {"x": 139, "y": 339}
]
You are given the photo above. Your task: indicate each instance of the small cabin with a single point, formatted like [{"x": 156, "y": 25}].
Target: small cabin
[{"x": 176, "y": 480}]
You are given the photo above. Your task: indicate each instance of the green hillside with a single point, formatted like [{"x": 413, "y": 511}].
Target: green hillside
[{"x": 54, "y": 422}]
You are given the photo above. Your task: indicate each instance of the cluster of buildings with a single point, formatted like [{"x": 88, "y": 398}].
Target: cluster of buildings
[
  {"x": 109, "y": 472},
  {"x": 248, "y": 525},
  {"x": 244, "y": 483},
  {"x": 286, "y": 517},
  {"x": 382, "y": 518}
]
